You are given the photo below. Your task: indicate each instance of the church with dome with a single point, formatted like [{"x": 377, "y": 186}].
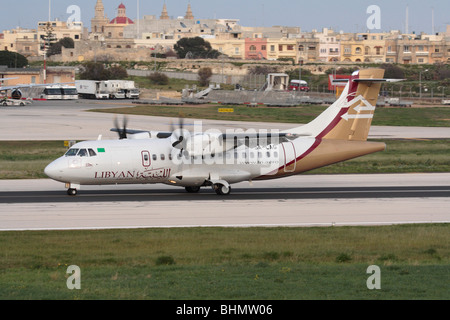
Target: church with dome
[
  {"x": 102, "y": 28},
  {"x": 121, "y": 16}
]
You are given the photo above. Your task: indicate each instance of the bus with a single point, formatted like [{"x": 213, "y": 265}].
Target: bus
[
  {"x": 58, "y": 92},
  {"x": 69, "y": 93},
  {"x": 52, "y": 93}
]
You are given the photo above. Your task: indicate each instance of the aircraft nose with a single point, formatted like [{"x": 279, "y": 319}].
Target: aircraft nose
[{"x": 54, "y": 170}]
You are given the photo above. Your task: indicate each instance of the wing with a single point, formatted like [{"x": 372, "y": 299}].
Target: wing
[
  {"x": 142, "y": 134},
  {"x": 30, "y": 85}
]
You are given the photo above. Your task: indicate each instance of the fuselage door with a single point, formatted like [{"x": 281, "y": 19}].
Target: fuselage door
[
  {"x": 289, "y": 157},
  {"x": 146, "y": 159}
]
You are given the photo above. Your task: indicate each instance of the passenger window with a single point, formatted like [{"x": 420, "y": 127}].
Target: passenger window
[
  {"x": 92, "y": 153},
  {"x": 154, "y": 157},
  {"x": 163, "y": 157},
  {"x": 82, "y": 153}
]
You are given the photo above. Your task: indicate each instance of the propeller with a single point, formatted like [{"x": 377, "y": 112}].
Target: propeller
[
  {"x": 121, "y": 131},
  {"x": 178, "y": 133}
]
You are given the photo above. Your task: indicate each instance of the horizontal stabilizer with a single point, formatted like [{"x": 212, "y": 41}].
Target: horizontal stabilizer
[
  {"x": 378, "y": 80},
  {"x": 335, "y": 81}
]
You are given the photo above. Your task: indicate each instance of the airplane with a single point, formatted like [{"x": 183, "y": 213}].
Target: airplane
[
  {"x": 16, "y": 92},
  {"x": 215, "y": 159}
]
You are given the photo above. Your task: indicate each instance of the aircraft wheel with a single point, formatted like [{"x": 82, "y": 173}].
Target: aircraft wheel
[
  {"x": 192, "y": 189},
  {"x": 221, "y": 189},
  {"x": 72, "y": 192}
]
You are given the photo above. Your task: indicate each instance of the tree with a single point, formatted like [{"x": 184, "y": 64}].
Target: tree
[
  {"x": 95, "y": 71},
  {"x": 197, "y": 46},
  {"x": 204, "y": 74},
  {"x": 265, "y": 69},
  {"x": 49, "y": 37},
  {"x": 56, "y": 48},
  {"x": 159, "y": 78},
  {"x": 392, "y": 71},
  {"x": 118, "y": 73},
  {"x": 12, "y": 59},
  {"x": 67, "y": 42}
]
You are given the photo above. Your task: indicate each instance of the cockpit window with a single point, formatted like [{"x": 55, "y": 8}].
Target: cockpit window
[
  {"x": 82, "y": 153},
  {"x": 71, "y": 152}
]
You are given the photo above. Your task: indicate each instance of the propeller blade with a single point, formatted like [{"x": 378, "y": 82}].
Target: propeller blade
[
  {"x": 177, "y": 133},
  {"x": 122, "y": 132},
  {"x": 180, "y": 140}
]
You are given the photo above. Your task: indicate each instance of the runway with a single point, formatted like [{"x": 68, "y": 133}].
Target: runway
[
  {"x": 68, "y": 120},
  {"x": 325, "y": 200},
  {"x": 304, "y": 200}
]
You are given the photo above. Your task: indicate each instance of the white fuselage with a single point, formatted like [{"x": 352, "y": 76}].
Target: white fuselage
[{"x": 145, "y": 161}]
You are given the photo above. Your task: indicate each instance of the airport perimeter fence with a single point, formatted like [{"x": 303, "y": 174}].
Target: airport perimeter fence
[
  {"x": 257, "y": 82},
  {"x": 250, "y": 82}
]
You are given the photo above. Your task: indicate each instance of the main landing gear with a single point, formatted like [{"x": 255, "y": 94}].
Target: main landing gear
[
  {"x": 192, "y": 189},
  {"x": 221, "y": 189}
]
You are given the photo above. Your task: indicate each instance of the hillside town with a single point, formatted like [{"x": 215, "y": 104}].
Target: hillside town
[{"x": 122, "y": 39}]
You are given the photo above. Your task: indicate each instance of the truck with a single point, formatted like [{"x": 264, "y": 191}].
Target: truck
[
  {"x": 129, "y": 87},
  {"x": 115, "y": 90},
  {"x": 92, "y": 89},
  {"x": 298, "y": 85},
  {"x": 122, "y": 89}
]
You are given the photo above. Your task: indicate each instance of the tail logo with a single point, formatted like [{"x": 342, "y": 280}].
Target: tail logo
[{"x": 362, "y": 105}]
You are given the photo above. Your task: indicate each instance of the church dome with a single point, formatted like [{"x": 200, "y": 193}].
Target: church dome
[
  {"x": 121, "y": 20},
  {"x": 121, "y": 16}
]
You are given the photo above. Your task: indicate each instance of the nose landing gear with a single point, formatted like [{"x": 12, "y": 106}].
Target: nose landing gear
[
  {"x": 72, "y": 192},
  {"x": 72, "y": 189}
]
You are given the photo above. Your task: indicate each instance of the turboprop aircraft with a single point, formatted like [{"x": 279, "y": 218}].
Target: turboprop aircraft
[{"x": 212, "y": 158}]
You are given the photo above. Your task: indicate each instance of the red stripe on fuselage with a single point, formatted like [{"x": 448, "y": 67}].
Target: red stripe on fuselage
[{"x": 351, "y": 95}]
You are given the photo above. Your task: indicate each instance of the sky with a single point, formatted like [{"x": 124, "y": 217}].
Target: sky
[{"x": 345, "y": 15}]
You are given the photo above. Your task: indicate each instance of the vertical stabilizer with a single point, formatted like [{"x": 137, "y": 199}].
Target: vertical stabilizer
[{"x": 350, "y": 117}]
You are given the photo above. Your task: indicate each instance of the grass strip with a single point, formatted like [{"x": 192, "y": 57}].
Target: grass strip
[
  {"x": 228, "y": 263},
  {"x": 417, "y": 117}
]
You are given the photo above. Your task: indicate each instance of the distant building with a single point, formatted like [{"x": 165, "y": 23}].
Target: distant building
[
  {"x": 23, "y": 41},
  {"x": 121, "y": 38},
  {"x": 59, "y": 29},
  {"x": 121, "y": 18},
  {"x": 189, "y": 15},
  {"x": 164, "y": 14},
  {"x": 99, "y": 22},
  {"x": 36, "y": 75}
]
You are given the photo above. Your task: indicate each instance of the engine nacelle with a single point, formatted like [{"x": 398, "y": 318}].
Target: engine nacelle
[{"x": 16, "y": 94}]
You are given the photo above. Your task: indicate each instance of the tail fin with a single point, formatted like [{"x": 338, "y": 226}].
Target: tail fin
[{"x": 350, "y": 117}]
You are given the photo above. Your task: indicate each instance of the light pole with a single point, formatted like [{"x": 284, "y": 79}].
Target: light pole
[{"x": 420, "y": 82}]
